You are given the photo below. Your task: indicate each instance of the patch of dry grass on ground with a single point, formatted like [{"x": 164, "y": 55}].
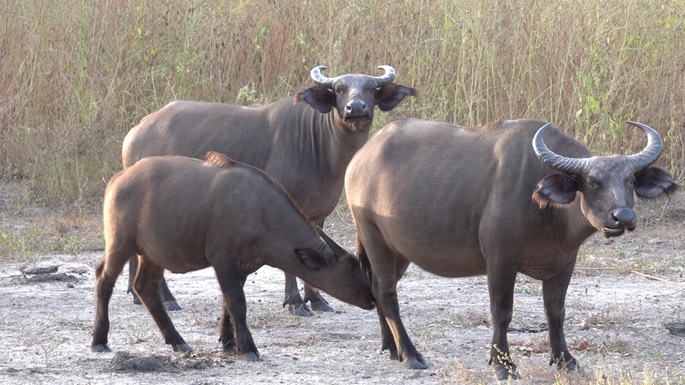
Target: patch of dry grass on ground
[{"x": 28, "y": 230}]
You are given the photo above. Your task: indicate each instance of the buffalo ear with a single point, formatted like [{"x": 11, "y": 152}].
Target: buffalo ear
[
  {"x": 556, "y": 189},
  {"x": 390, "y": 95},
  {"x": 654, "y": 182},
  {"x": 310, "y": 258},
  {"x": 319, "y": 97}
]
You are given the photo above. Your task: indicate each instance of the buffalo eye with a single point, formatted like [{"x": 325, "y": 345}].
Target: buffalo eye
[
  {"x": 340, "y": 90},
  {"x": 593, "y": 184}
]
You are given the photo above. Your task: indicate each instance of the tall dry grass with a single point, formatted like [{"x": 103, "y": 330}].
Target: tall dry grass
[{"x": 75, "y": 75}]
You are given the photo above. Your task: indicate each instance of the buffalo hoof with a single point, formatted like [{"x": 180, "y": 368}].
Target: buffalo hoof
[
  {"x": 230, "y": 349},
  {"x": 100, "y": 348},
  {"x": 182, "y": 348},
  {"x": 506, "y": 372},
  {"x": 321, "y": 306},
  {"x": 317, "y": 303},
  {"x": 416, "y": 363},
  {"x": 570, "y": 364},
  {"x": 136, "y": 300},
  {"x": 171, "y": 305},
  {"x": 300, "y": 310},
  {"x": 252, "y": 357}
]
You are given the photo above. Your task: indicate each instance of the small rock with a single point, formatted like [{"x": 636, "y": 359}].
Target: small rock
[
  {"x": 584, "y": 325},
  {"x": 124, "y": 361},
  {"x": 80, "y": 270},
  {"x": 61, "y": 277},
  {"x": 583, "y": 345},
  {"x": 35, "y": 270},
  {"x": 676, "y": 328}
]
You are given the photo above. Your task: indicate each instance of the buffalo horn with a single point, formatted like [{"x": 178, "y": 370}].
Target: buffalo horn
[
  {"x": 651, "y": 152},
  {"x": 327, "y": 82},
  {"x": 573, "y": 166},
  {"x": 387, "y": 77},
  {"x": 320, "y": 79},
  {"x": 338, "y": 250}
]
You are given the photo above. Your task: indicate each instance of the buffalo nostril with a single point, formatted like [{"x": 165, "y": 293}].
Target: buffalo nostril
[
  {"x": 624, "y": 218},
  {"x": 356, "y": 106}
]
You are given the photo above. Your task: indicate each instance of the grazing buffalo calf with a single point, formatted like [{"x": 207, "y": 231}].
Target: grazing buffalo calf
[
  {"x": 184, "y": 214},
  {"x": 304, "y": 142},
  {"x": 460, "y": 202}
]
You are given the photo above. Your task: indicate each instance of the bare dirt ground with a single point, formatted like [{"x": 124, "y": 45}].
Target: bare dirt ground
[{"x": 623, "y": 292}]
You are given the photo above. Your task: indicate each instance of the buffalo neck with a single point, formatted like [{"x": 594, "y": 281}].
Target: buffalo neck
[
  {"x": 578, "y": 228},
  {"x": 339, "y": 142},
  {"x": 312, "y": 165}
]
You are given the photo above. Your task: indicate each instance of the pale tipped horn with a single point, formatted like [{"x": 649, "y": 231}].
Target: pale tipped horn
[
  {"x": 387, "y": 77},
  {"x": 320, "y": 79},
  {"x": 651, "y": 152},
  {"x": 574, "y": 166}
]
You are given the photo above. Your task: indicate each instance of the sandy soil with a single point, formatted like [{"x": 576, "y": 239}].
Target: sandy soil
[{"x": 623, "y": 292}]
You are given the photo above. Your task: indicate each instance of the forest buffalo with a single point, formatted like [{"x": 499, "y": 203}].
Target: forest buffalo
[
  {"x": 183, "y": 214},
  {"x": 305, "y": 146},
  {"x": 461, "y": 202}
]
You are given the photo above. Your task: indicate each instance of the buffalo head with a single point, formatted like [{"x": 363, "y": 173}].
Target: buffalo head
[
  {"x": 606, "y": 183},
  {"x": 339, "y": 271},
  {"x": 354, "y": 96}
]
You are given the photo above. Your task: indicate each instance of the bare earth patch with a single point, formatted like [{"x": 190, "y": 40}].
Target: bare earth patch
[{"x": 623, "y": 292}]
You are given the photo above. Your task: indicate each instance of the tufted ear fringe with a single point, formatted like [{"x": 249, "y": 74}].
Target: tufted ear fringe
[{"x": 541, "y": 200}]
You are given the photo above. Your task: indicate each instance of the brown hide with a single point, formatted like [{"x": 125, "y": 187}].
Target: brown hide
[
  {"x": 458, "y": 202},
  {"x": 184, "y": 214},
  {"x": 305, "y": 142}
]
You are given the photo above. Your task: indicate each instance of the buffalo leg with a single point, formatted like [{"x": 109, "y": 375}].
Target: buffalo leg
[
  {"x": 227, "y": 337},
  {"x": 554, "y": 296},
  {"x": 296, "y": 304},
  {"x": 387, "y": 339},
  {"x": 235, "y": 310},
  {"x": 106, "y": 275},
  {"x": 501, "y": 281},
  {"x": 384, "y": 287},
  {"x": 170, "y": 301},
  {"x": 314, "y": 297},
  {"x": 146, "y": 286},
  {"x": 390, "y": 310},
  {"x": 293, "y": 299},
  {"x": 311, "y": 294}
]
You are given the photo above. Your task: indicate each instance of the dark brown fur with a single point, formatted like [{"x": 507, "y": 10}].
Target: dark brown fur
[
  {"x": 183, "y": 214},
  {"x": 305, "y": 142},
  {"x": 457, "y": 203},
  {"x": 220, "y": 160}
]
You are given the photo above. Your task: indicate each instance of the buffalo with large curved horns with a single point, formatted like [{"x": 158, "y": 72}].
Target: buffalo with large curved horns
[
  {"x": 460, "y": 202},
  {"x": 305, "y": 142}
]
